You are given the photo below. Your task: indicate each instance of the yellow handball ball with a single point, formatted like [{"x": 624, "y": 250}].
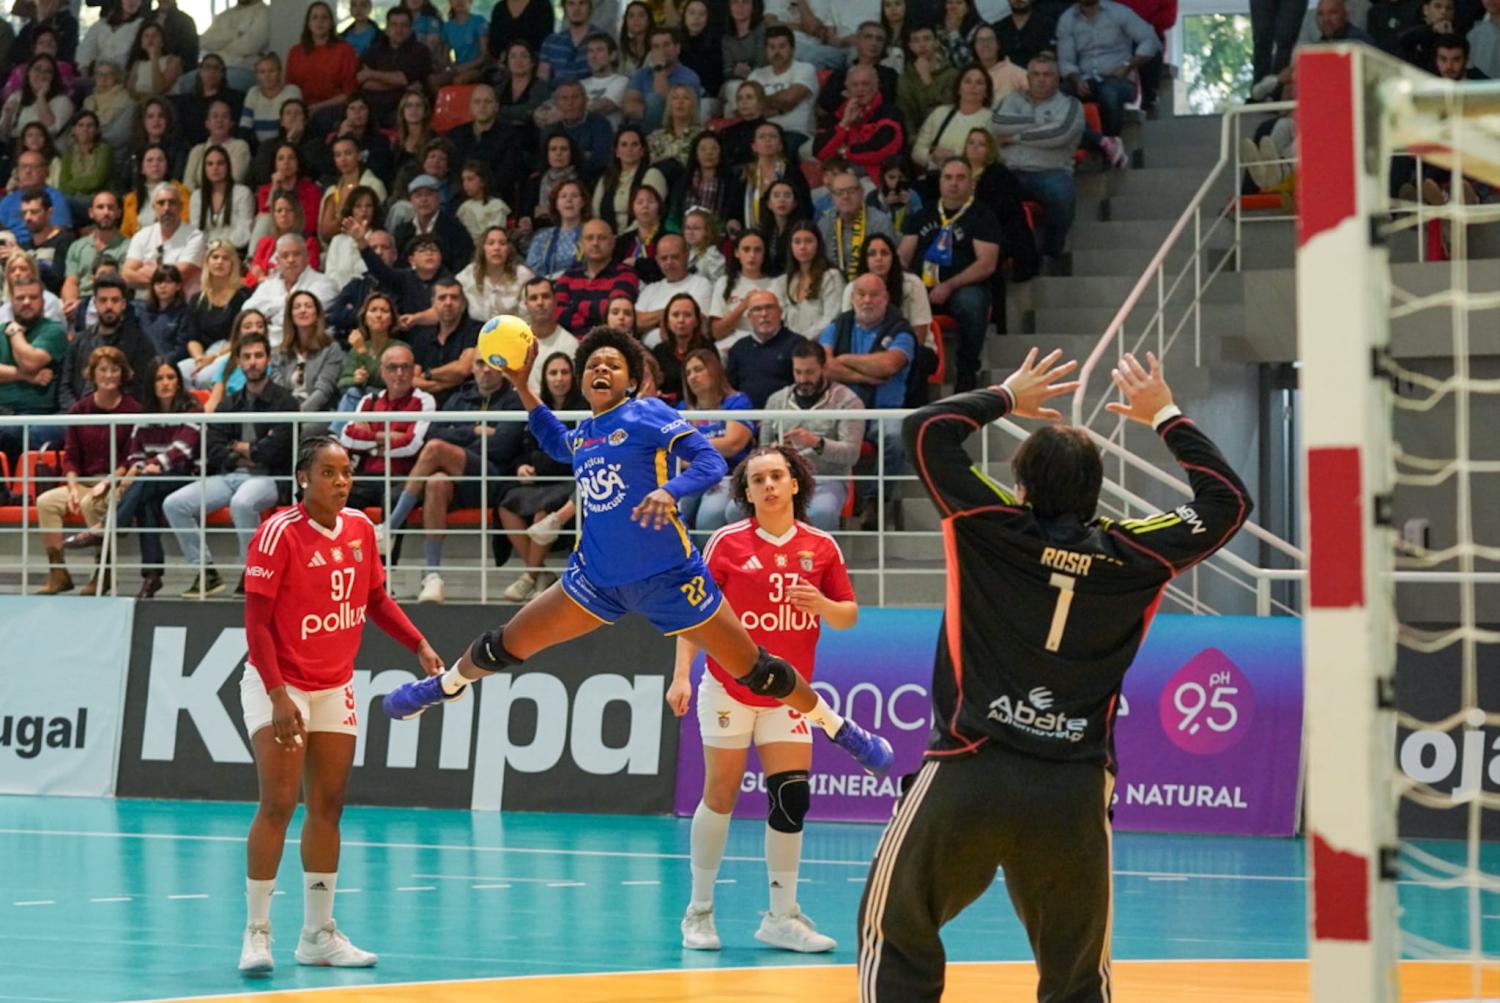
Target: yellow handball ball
[{"x": 504, "y": 342}]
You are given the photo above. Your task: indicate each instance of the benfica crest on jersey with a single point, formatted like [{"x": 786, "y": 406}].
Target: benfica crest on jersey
[
  {"x": 357, "y": 550},
  {"x": 805, "y": 559}
]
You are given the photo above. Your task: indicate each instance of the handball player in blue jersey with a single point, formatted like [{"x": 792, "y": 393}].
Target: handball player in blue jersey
[{"x": 634, "y": 554}]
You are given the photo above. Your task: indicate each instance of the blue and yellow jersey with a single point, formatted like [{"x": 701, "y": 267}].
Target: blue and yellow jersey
[{"x": 618, "y": 458}]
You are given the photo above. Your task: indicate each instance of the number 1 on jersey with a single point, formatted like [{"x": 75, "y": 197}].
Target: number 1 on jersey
[{"x": 1064, "y": 585}]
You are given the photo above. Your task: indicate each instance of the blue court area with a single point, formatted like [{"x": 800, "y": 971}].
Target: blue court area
[{"x": 136, "y": 900}]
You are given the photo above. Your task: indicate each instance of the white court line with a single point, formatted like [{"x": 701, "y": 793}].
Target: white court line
[
  {"x": 482, "y": 877},
  {"x": 347, "y": 891},
  {"x": 726, "y": 881},
  {"x": 298, "y": 994},
  {"x": 113, "y": 898},
  {"x": 28, "y": 902},
  {"x": 622, "y": 854},
  {"x": 179, "y": 898},
  {"x": 1167, "y": 877},
  {"x": 485, "y": 887},
  {"x": 417, "y": 888},
  {"x": 566, "y": 884},
  {"x": 640, "y": 882}
]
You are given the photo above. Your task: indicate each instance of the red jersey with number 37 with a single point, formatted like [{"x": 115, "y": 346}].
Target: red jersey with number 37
[
  {"x": 756, "y": 572},
  {"x": 320, "y": 580}
]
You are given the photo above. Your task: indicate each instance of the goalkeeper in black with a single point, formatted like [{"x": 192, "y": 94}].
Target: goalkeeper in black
[{"x": 1046, "y": 606}]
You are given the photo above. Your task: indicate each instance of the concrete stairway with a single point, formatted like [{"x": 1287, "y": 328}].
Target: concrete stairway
[{"x": 1123, "y": 218}]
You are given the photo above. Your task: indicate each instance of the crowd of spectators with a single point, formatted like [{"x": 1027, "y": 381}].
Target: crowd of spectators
[{"x": 780, "y": 199}]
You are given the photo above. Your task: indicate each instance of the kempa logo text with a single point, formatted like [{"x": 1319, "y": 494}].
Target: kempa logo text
[{"x": 573, "y": 725}]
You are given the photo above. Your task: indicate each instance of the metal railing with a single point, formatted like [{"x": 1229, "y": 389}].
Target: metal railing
[
  {"x": 903, "y": 547},
  {"x": 1213, "y": 221},
  {"x": 1164, "y": 313}
]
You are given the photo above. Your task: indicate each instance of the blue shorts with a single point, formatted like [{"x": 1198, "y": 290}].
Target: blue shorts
[{"x": 675, "y": 600}]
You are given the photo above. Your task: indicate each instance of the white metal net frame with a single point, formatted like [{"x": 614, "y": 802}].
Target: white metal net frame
[{"x": 1360, "y": 109}]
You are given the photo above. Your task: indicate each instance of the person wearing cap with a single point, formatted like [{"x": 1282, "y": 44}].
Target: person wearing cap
[
  {"x": 410, "y": 283},
  {"x": 452, "y": 236}
]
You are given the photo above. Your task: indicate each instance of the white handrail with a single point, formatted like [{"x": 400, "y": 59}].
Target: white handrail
[{"x": 1227, "y": 155}]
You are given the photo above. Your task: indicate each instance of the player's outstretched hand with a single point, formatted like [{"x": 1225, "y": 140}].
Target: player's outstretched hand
[
  {"x": 655, "y": 510},
  {"x": 1145, "y": 391},
  {"x": 679, "y": 695},
  {"x": 522, "y": 374},
  {"x": 1036, "y": 382},
  {"x": 431, "y": 661}
]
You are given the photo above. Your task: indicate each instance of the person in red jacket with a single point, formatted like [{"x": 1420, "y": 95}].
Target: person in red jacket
[
  {"x": 388, "y": 450},
  {"x": 312, "y": 579},
  {"x": 865, "y": 130}
]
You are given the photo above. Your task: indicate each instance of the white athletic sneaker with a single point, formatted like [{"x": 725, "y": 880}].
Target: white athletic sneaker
[
  {"x": 384, "y": 540},
  {"x": 544, "y": 580},
  {"x": 432, "y": 589},
  {"x": 545, "y": 529},
  {"x": 330, "y": 948},
  {"x": 794, "y": 932},
  {"x": 698, "y": 933},
  {"x": 520, "y": 590},
  {"x": 255, "y": 951},
  {"x": 1265, "y": 87}
]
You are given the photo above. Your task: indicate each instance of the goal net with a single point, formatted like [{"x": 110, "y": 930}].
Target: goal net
[{"x": 1398, "y": 313}]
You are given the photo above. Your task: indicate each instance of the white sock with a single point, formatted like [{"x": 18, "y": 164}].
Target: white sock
[
  {"x": 710, "y": 833},
  {"x": 823, "y": 716},
  {"x": 783, "y": 857},
  {"x": 258, "y": 900},
  {"x": 317, "y": 899},
  {"x": 452, "y": 681}
]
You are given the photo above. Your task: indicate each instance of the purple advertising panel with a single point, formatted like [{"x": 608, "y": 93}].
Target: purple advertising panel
[
  {"x": 1209, "y": 739},
  {"x": 1210, "y": 732}
]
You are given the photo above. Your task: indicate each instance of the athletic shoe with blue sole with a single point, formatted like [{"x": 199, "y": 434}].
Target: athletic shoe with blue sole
[
  {"x": 410, "y": 699},
  {"x": 870, "y": 751}
]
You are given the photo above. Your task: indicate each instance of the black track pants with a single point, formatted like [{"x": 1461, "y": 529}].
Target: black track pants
[{"x": 1046, "y": 823}]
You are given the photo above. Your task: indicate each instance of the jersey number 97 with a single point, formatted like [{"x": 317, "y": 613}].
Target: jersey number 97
[{"x": 341, "y": 584}]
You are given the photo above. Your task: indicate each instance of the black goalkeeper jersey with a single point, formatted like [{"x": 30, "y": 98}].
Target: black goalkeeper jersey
[{"x": 1043, "y": 616}]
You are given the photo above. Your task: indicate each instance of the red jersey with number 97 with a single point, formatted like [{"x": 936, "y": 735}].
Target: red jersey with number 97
[
  {"x": 756, "y": 572},
  {"x": 320, "y": 580}
]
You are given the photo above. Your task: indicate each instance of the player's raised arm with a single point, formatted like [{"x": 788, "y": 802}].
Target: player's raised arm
[
  {"x": 520, "y": 378},
  {"x": 935, "y": 434},
  {"x": 551, "y": 434},
  {"x": 1220, "y": 504}
]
